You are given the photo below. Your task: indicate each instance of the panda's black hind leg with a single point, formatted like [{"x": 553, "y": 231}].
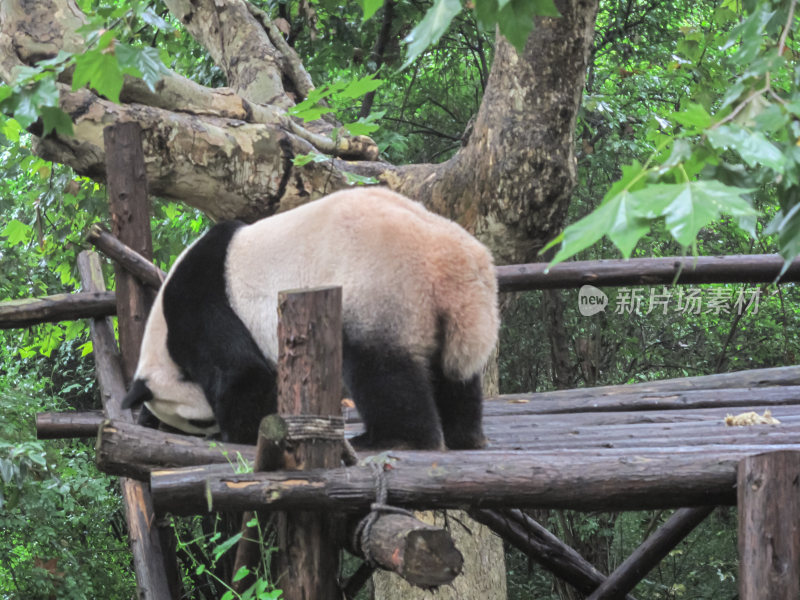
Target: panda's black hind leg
[
  {"x": 394, "y": 397},
  {"x": 460, "y": 405}
]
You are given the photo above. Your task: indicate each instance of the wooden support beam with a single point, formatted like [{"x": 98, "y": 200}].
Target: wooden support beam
[
  {"x": 309, "y": 383},
  {"x": 612, "y": 480},
  {"x": 741, "y": 268},
  {"x": 133, "y": 262},
  {"x": 134, "y": 451},
  {"x": 58, "y": 425},
  {"x": 126, "y": 182},
  {"x": 769, "y": 526},
  {"x": 148, "y": 559},
  {"x": 541, "y": 546},
  {"x": 651, "y": 552},
  {"x": 60, "y": 307}
]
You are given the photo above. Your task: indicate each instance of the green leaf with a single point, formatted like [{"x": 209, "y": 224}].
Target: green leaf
[
  {"x": 241, "y": 573},
  {"x": 486, "y": 13},
  {"x": 55, "y": 118},
  {"x": 370, "y": 7},
  {"x": 694, "y": 118},
  {"x": 226, "y": 545},
  {"x": 515, "y": 21},
  {"x": 303, "y": 159},
  {"x": 354, "y": 179},
  {"x": 430, "y": 29},
  {"x": 752, "y": 146},
  {"x": 618, "y": 217},
  {"x": 143, "y": 62},
  {"x": 515, "y": 18},
  {"x": 693, "y": 205},
  {"x": 17, "y": 232},
  {"x": 360, "y": 87},
  {"x": 99, "y": 70}
]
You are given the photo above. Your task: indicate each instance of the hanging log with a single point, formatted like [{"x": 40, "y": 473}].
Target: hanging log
[
  {"x": 769, "y": 526},
  {"x": 60, "y": 307},
  {"x": 651, "y": 552},
  {"x": 148, "y": 558},
  {"x": 543, "y": 547},
  {"x": 422, "y": 554},
  {"x": 737, "y": 268},
  {"x": 133, "y": 262},
  {"x": 612, "y": 480}
]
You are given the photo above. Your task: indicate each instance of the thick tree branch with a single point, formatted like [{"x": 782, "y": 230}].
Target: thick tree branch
[{"x": 238, "y": 44}]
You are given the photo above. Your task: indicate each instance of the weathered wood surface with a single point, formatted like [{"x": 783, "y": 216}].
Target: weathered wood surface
[
  {"x": 625, "y": 577},
  {"x": 742, "y": 268},
  {"x": 151, "y": 577},
  {"x": 309, "y": 383},
  {"x": 57, "y": 425},
  {"x": 769, "y": 526},
  {"x": 543, "y": 547},
  {"x": 581, "y": 480},
  {"x": 133, "y": 451},
  {"x": 422, "y": 554},
  {"x": 129, "y": 207},
  {"x": 133, "y": 262},
  {"x": 60, "y": 307},
  {"x": 632, "y": 400}
]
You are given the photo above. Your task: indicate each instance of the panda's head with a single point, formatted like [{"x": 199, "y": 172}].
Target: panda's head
[{"x": 162, "y": 387}]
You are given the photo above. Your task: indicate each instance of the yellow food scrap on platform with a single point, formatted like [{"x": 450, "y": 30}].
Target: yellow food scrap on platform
[{"x": 751, "y": 418}]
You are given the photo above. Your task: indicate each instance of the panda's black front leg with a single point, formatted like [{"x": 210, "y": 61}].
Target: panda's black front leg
[{"x": 394, "y": 397}]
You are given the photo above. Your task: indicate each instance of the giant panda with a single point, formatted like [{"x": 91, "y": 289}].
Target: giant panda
[{"x": 419, "y": 302}]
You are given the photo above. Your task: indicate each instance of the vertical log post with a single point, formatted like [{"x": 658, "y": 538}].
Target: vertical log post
[
  {"x": 126, "y": 182},
  {"x": 129, "y": 207},
  {"x": 769, "y": 526},
  {"x": 148, "y": 559},
  {"x": 309, "y": 383}
]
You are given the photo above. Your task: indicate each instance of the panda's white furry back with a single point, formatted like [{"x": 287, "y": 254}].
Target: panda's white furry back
[{"x": 419, "y": 313}]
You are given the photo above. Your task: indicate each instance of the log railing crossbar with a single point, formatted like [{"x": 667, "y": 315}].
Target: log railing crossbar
[{"x": 535, "y": 276}]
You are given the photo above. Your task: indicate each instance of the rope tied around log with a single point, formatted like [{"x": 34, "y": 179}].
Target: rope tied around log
[
  {"x": 314, "y": 427},
  {"x": 361, "y": 535}
]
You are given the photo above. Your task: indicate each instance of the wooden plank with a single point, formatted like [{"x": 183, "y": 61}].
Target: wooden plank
[
  {"x": 610, "y": 480},
  {"x": 741, "y": 268},
  {"x": 309, "y": 383},
  {"x": 769, "y": 526},
  {"x": 148, "y": 559},
  {"x": 59, "y": 307},
  {"x": 631, "y": 400}
]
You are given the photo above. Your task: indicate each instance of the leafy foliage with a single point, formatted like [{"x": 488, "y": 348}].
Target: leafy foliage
[{"x": 746, "y": 132}]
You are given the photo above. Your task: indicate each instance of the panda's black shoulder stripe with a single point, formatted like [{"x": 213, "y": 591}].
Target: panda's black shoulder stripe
[{"x": 205, "y": 337}]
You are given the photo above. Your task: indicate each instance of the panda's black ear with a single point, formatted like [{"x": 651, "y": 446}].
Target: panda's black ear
[{"x": 138, "y": 394}]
